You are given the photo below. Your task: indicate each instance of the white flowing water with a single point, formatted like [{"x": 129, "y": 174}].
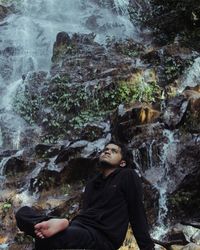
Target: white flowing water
[
  {"x": 157, "y": 172},
  {"x": 191, "y": 76},
  {"x": 168, "y": 156},
  {"x": 27, "y": 38}
]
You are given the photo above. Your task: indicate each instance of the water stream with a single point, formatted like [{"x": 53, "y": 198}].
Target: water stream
[
  {"x": 26, "y": 46},
  {"x": 168, "y": 157},
  {"x": 157, "y": 172},
  {"x": 27, "y": 41}
]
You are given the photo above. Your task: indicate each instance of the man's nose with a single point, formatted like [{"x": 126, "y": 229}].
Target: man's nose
[{"x": 108, "y": 151}]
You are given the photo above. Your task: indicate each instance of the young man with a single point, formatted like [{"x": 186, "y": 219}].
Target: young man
[{"x": 111, "y": 200}]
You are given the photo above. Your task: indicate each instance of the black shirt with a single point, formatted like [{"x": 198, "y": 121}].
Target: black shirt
[{"x": 111, "y": 202}]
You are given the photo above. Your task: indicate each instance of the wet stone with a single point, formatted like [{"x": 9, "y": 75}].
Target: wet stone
[{"x": 14, "y": 165}]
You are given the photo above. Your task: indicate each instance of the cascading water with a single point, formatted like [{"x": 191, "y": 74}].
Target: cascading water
[
  {"x": 163, "y": 183},
  {"x": 27, "y": 41},
  {"x": 158, "y": 174},
  {"x": 192, "y": 75},
  {"x": 26, "y": 45}
]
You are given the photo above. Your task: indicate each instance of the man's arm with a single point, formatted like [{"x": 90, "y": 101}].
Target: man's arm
[{"x": 136, "y": 211}]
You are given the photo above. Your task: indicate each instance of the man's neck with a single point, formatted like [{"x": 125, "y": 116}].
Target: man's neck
[{"x": 108, "y": 171}]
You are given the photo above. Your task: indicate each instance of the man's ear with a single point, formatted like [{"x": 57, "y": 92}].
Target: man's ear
[{"x": 122, "y": 163}]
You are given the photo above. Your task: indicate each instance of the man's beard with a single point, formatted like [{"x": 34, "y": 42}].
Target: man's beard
[{"x": 105, "y": 165}]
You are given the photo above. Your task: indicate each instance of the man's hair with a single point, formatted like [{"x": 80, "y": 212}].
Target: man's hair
[{"x": 125, "y": 152}]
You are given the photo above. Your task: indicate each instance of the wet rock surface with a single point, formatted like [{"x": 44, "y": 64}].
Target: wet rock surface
[
  {"x": 4, "y": 12},
  {"x": 160, "y": 129}
]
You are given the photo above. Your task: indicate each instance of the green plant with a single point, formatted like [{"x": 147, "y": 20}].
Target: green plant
[
  {"x": 128, "y": 91},
  {"x": 59, "y": 106},
  {"x": 6, "y": 206}
]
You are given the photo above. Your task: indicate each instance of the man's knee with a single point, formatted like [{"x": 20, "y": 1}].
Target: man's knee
[
  {"x": 22, "y": 211},
  {"x": 23, "y": 219}
]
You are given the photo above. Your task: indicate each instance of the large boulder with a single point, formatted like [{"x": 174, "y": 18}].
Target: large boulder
[
  {"x": 192, "y": 122},
  {"x": 13, "y": 166},
  {"x": 125, "y": 120},
  {"x": 4, "y": 12},
  {"x": 175, "y": 111}
]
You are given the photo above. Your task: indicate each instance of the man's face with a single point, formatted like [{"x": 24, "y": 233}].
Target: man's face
[{"x": 112, "y": 156}]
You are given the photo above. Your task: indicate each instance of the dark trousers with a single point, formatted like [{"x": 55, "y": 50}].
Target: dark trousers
[{"x": 74, "y": 237}]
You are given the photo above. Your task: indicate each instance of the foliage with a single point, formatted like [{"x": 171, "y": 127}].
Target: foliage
[
  {"x": 129, "y": 48},
  {"x": 127, "y": 92},
  {"x": 59, "y": 106},
  {"x": 6, "y": 207},
  {"x": 169, "y": 18},
  {"x": 174, "y": 67},
  {"x": 186, "y": 202},
  {"x": 27, "y": 104}
]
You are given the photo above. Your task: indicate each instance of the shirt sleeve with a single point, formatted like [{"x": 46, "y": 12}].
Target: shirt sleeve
[{"x": 137, "y": 216}]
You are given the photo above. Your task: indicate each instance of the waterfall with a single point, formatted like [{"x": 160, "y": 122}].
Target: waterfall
[
  {"x": 157, "y": 172},
  {"x": 168, "y": 156},
  {"x": 27, "y": 41},
  {"x": 191, "y": 76},
  {"x": 122, "y": 5}
]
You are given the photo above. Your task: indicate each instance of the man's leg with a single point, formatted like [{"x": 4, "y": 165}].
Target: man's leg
[
  {"x": 71, "y": 238},
  {"x": 27, "y": 218},
  {"x": 74, "y": 237}
]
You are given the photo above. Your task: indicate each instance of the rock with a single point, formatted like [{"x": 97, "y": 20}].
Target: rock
[
  {"x": 4, "y": 12},
  {"x": 71, "y": 170},
  {"x": 46, "y": 150},
  {"x": 191, "y": 223},
  {"x": 176, "y": 236},
  {"x": 188, "y": 231},
  {"x": 61, "y": 45},
  {"x": 91, "y": 23},
  {"x": 45, "y": 180},
  {"x": 185, "y": 176},
  {"x": 69, "y": 153},
  {"x": 68, "y": 208},
  {"x": 133, "y": 117},
  {"x": 175, "y": 112},
  {"x": 7, "y": 153},
  {"x": 159, "y": 247},
  {"x": 176, "y": 247},
  {"x": 151, "y": 197},
  {"x": 79, "y": 169},
  {"x": 62, "y": 38},
  {"x": 92, "y": 132},
  {"x": 40, "y": 149},
  {"x": 175, "y": 50},
  {"x": 129, "y": 242},
  {"x": 3, "y": 239},
  {"x": 192, "y": 122},
  {"x": 14, "y": 165},
  {"x": 86, "y": 60},
  {"x": 191, "y": 246},
  {"x": 196, "y": 237},
  {"x": 93, "y": 148},
  {"x": 36, "y": 79}
]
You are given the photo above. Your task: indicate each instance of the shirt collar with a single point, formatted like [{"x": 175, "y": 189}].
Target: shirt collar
[{"x": 111, "y": 174}]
